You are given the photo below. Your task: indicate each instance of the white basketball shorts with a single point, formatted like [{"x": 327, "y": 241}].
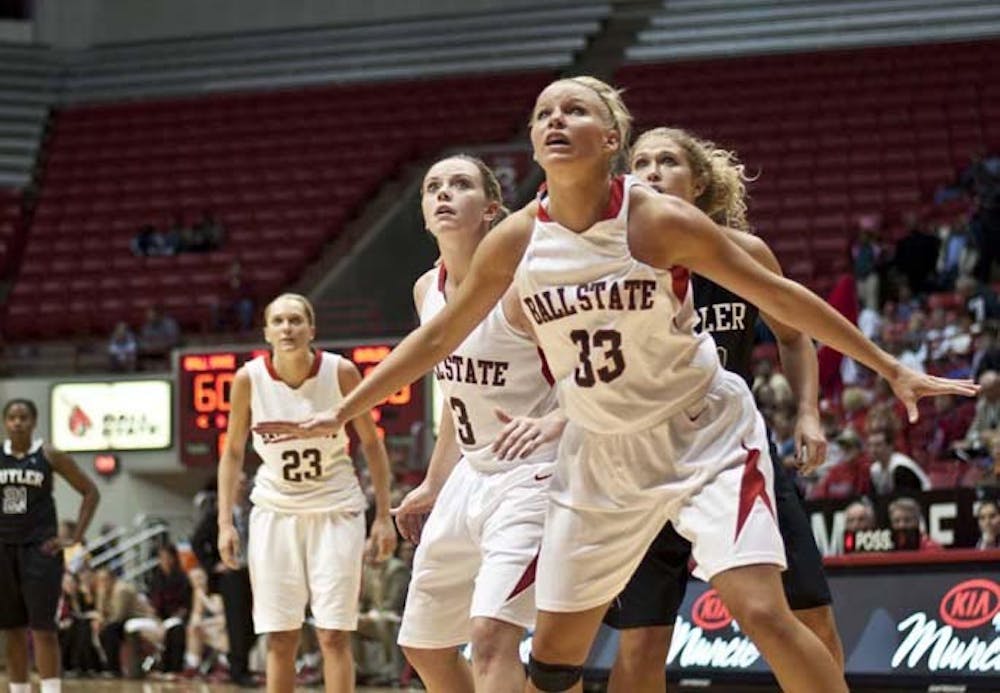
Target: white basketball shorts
[
  {"x": 707, "y": 469},
  {"x": 477, "y": 555},
  {"x": 300, "y": 559}
]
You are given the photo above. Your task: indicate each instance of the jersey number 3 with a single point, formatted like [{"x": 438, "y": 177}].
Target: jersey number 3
[
  {"x": 613, "y": 360},
  {"x": 464, "y": 431},
  {"x": 294, "y": 459}
]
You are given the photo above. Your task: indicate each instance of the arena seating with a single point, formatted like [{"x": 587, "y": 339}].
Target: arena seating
[
  {"x": 10, "y": 227},
  {"x": 282, "y": 171},
  {"x": 832, "y": 135}
]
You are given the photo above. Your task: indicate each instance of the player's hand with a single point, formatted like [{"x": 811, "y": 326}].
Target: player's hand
[
  {"x": 810, "y": 443},
  {"x": 910, "y": 387},
  {"x": 319, "y": 426},
  {"x": 229, "y": 547},
  {"x": 412, "y": 512},
  {"x": 381, "y": 540},
  {"x": 55, "y": 545},
  {"x": 522, "y": 435}
]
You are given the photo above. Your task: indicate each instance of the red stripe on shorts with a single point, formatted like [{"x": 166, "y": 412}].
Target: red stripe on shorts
[
  {"x": 527, "y": 579},
  {"x": 752, "y": 487}
]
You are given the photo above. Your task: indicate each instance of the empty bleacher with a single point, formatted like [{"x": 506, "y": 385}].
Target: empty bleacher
[{"x": 832, "y": 135}]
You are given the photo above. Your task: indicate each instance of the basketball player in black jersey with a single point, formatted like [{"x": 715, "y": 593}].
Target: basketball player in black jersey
[
  {"x": 674, "y": 162},
  {"x": 31, "y": 555}
]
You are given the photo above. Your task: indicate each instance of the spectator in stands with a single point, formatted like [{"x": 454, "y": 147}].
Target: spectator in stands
[
  {"x": 158, "y": 335},
  {"x": 116, "y": 602},
  {"x": 905, "y": 514},
  {"x": 960, "y": 239},
  {"x": 234, "y": 310},
  {"x": 76, "y": 638},
  {"x": 122, "y": 348},
  {"x": 988, "y": 516},
  {"x": 866, "y": 254},
  {"x": 893, "y": 472},
  {"x": 206, "y": 624},
  {"x": 987, "y": 418},
  {"x": 233, "y": 585},
  {"x": 986, "y": 349},
  {"x": 849, "y": 478},
  {"x": 383, "y": 595},
  {"x": 209, "y": 233},
  {"x": 144, "y": 240},
  {"x": 979, "y": 299},
  {"x": 950, "y": 421},
  {"x": 783, "y": 435},
  {"x": 764, "y": 374},
  {"x": 859, "y": 516},
  {"x": 916, "y": 256},
  {"x": 170, "y": 596}
]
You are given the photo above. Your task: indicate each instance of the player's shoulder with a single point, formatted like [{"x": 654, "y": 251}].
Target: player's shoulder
[{"x": 424, "y": 282}]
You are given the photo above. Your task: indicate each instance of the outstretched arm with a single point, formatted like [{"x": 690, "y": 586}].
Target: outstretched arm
[
  {"x": 491, "y": 272},
  {"x": 798, "y": 360},
  {"x": 665, "y": 231}
]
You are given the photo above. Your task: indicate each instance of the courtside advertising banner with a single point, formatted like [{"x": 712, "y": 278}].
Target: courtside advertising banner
[
  {"x": 906, "y": 625},
  {"x": 126, "y": 415}
]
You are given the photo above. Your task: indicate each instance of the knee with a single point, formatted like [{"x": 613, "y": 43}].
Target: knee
[
  {"x": 762, "y": 615},
  {"x": 551, "y": 677},
  {"x": 495, "y": 643},
  {"x": 333, "y": 640},
  {"x": 283, "y": 644},
  {"x": 641, "y": 649}
]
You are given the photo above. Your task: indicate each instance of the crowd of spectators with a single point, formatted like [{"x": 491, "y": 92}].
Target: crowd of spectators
[
  {"x": 931, "y": 300},
  {"x": 205, "y": 235},
  {"x": 189, "y": 617},
  {"x": 150, "y": 349}
]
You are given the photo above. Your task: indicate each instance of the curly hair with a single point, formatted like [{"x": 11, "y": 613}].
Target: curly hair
[{"x": 724, "y": 198}]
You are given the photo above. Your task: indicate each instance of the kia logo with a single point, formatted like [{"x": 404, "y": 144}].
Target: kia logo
[
  {"x": 709, "y": 613},
  {"x": 971, "y": 603}
]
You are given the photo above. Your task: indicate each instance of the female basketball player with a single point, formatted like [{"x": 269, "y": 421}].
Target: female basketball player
[
  {"x": 307, "y": 528},
  {"x": 31, "y": 553},
  {"x": 673, "y": 161},
  {"x": 473, "y": 573},
  {"x": 657, "y": 430}
]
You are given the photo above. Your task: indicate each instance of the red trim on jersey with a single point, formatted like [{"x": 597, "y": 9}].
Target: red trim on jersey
[
  {"x": 527, "y": 579},
  {"x": 752, "y": 486},
  {"x": 546, "y": 371},
  {"x": 313, "y": 372},
  {"x": 615, "y": 201},
  {"x": 680, "y": 278},
  {"x": 442, "y": 277}
]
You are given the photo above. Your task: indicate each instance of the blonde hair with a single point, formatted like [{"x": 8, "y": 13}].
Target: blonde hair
[
  {"x": 724, "y": 198},
  {"x": 306, "y": 306},
  {"x": 621, "y": 118},
  {"x": 491, "y": 184}
]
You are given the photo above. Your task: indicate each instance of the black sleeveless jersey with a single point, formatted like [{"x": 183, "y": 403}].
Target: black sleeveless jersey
[
  {"x": 27, "y": 508},
  {"x": 730, "y": 320}
]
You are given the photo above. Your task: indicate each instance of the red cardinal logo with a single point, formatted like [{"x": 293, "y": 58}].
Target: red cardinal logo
[{"x": 79, "y": 422}]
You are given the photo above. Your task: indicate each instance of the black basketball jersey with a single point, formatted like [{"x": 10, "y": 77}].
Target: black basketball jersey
[
  {"x": 27, "y": 508},
  {"x": 730, "y": 320}
]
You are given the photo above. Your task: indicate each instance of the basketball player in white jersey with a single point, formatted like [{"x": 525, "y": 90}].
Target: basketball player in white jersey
[
  {"x": 473, "y": 573},
  {"x": 307, "y": 528},
  {"x": 657, "y": 430}
]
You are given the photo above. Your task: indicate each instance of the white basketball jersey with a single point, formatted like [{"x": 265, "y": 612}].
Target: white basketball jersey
[
  {"x": 310, "y": 475},
  {"x": 618, "y": 333},
  {"x": 496, "y": 367}
]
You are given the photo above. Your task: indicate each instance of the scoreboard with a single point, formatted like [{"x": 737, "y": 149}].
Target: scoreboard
[{"x": 206, "y": 378}]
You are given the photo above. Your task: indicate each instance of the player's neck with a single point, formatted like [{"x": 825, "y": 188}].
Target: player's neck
[
  {"x": 456, "y": 254},
  {"x": 19, "y": 448},
  {"x": 294, "y": 368},
  {"x": 578, "y": 202}
]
